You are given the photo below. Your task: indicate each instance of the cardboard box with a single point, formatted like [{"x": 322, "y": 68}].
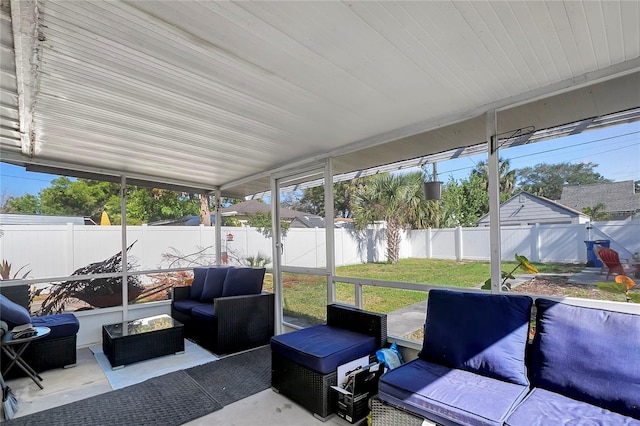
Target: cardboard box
[{"x": 357, "y": 382}]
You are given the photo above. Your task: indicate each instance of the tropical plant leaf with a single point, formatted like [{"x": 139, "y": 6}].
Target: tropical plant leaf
[
  {"x": 627, "y": 281},
  {"x": 634, "y": 297},
  {"x": 612, "y": 287},
  {"x": 486, "y": 285},
  {"x": 525, "y": 265}
]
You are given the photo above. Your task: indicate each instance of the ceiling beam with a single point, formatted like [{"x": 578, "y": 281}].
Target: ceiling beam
[{"x": 27, "y": 50}]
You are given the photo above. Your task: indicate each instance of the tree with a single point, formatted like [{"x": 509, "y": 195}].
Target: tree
[
  {"x": 547, "y": 180},
  {"x": 312, "y": 200},
  {"x": 85, "y": 197},
  {"x": 205, "y": 210},
  {"x": 396, "y": 199},
  {"x": 507, "y": 178},
  {"x": 28, "y": 203},
  {"x": 597, "y": 212},
  {"x": 464, "y": 202},
  {"x": 262, "y": 222},
  {"x": 146, "y": 205},
  {"x": 81, "y": 197}
]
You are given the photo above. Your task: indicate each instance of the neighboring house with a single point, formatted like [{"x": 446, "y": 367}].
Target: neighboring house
[
  {"x": 243, "y": 210},
  {"x": 528, "y": 209},
  {"x": 41, "y": 219},
  {"x": 181, "y": 221},
  {"x": 619, "y": 198},
  {"x": 308, "y": 222}
]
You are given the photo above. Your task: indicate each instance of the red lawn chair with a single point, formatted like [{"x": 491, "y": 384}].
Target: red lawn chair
[{"x": 611, "y": 260}]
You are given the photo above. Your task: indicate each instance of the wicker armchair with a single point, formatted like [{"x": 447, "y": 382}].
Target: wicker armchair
[
  {"x": 56, "y": 350},
  {"x": 310, "y": 388}
]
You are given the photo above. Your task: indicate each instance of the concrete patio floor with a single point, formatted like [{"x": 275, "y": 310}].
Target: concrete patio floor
[{"x": 86, "y": 379}]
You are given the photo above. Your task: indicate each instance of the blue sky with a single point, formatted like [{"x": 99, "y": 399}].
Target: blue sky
[{"x": 615, "y": 149}]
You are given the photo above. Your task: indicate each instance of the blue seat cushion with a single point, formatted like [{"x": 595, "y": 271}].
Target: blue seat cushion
[
  {"x": 448, "y": 395},
  {"x": 185, "y": 306},
  {"x": 543, "y": 408},
  {"x": 199, "y": 275},
  {"x": 12, "y": 313},
  {"x": 323, "y": 348},
  {"x": 61, "y": 325},
  {"x": 482, "y": 333},
  {"x": 587, "y": 354},
  {"x": 243, "y": 281},
  {"x": 213, "y": 284},
  {"x": 203, "y": 312}
]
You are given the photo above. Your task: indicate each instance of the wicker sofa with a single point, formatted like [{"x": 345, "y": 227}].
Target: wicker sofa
[
  {"x": 304, "y": 362},
  {"x": 225, "y": 309},
  {"x": 476, "y": 367},
  {"x": 56, "y": 350}
]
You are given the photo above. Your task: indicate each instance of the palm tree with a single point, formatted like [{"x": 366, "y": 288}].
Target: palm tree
[
  {"x": 396, "y": 199},
  {"x": 597, "y": 212},
  {"x": 507, "y": 177}
]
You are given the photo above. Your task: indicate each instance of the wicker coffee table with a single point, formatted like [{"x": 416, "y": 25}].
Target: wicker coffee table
[{"x": 128, "y": 342}]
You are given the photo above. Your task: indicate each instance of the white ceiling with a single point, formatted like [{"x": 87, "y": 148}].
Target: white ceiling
[{"x": 213, "y": 95}]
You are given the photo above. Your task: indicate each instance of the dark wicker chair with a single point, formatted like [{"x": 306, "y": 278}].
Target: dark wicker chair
[
  {"x": 54, "y": 351},
  {"x": 239, "y": 323},
  {"x": 310, "y": 389}
]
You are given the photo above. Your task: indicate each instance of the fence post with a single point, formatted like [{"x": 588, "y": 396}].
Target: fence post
[
  {"x": 315, "y": 237},
  {"x": 536, "y": 243},
  {"x": 70, "y": 249},
  {"x": 459, "y": 248},
  {"x": 429, "y": 246}
]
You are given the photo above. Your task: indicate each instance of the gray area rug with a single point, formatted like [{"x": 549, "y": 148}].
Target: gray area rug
[
  {"x": 235, "y": 377},
  {"x": 171, "y": 399}
]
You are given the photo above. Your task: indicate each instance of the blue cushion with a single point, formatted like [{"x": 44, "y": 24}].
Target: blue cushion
[
  {"x": 199, "y": 275},
  {"x": 592, "y": 355},
  {"x": 482, "y": 333},
  {"x": 12, "y": 313},
  {"x": 241, "y": 281},
  {"x": 203, "y": 312},
  {"x": 61, "y": 325},
  {"x": 323, "y": 348},
  {"x": 543, "y": 408},
  {"x": 185, "y": 306},
  {"x": 213, "y": 284},
  {"x": 447, "y": 395}
]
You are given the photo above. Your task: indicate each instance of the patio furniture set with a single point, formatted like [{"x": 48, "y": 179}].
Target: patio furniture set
[
  {"x": 223, "y": 310},
  {"x": 477, "y": 364}
]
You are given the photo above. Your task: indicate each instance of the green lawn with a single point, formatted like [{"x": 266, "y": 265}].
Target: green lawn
[{"x": 305, "y": 296}]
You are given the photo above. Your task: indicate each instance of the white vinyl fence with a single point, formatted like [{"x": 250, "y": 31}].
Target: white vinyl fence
[{"x": 58, "y": 250}]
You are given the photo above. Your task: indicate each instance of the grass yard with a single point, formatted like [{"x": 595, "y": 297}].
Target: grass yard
[{"x": 305, "y": 295}]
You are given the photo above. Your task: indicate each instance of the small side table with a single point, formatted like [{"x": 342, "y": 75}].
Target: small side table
[{"x": 14, "y": 348}]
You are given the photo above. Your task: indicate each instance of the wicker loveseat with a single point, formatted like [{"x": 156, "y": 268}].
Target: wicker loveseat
[
  {"x": 225, "y": 309},
  {"x": 304, "y": 362},
  {"x": 56, "y": 350},
  {"x": 476, "y": 367}
]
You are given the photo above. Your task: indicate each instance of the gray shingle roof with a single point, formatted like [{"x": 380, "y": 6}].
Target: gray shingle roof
[
  {"x": 251, "y": 207},
  {"x": 616, "y": 196}
]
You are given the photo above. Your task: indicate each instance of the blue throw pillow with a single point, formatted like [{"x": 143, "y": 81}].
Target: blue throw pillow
[
  {"x": 199, "y": 275},
  {"x": 482, "y": 333},
  {"x": 12, "y": 313},
  {"x": 213, "y": 284},
  {"x": 241, "y": 281}
]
